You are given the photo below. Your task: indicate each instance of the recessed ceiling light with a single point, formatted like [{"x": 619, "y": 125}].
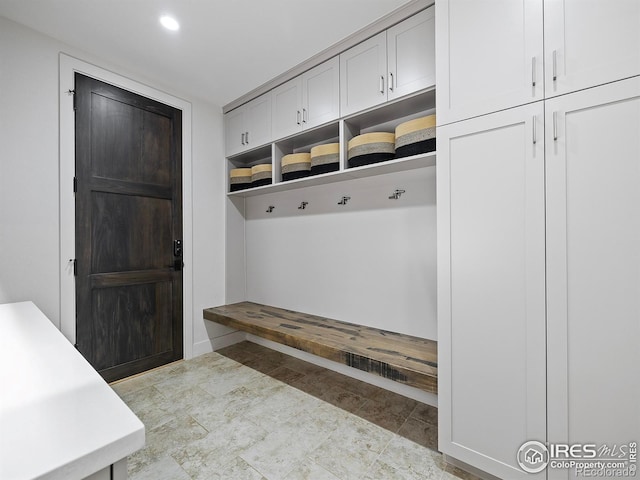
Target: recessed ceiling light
[{"x": 169, "y": 23}]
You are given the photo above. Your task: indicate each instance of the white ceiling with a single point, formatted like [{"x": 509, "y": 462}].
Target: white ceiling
[{"x": 224, "y": 48}]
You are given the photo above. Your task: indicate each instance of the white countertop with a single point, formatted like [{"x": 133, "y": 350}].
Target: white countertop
[{"x": 58, "y": 418}]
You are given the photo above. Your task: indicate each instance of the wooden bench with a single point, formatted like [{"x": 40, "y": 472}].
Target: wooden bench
[{"x": 403, "y": 358}]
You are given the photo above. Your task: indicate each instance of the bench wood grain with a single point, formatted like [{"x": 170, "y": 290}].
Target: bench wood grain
[{"x": 402, "y": 358}]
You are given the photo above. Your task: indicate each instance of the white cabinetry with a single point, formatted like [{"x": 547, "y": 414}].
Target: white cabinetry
[
  {"x": 492, "y": 56},
  {"x": 392, "y": 64},
  {"x": 589, "y": 43},
  {"x": 411, "y": 54},
  {"x": 363, "y": 70},
  {"x": 248, "y": 126},
  {"x": 593, "y": 266},
  {"x": 307, "y": 101},
  {"x": 491, "y": 288},
  {"x": 525, "y": 237}
]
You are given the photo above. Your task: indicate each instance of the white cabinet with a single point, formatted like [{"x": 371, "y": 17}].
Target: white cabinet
[
  {"x": 490, "y": 55},
  {"x": 525, "y": 237},
  {"x": 411, "y": 55},
  {"x": 491, "y": 288},
  {"x": 307, "y": 101},
  {"x": 589, "y": 43},
  {"x": 593, "y": 266},
  {"x": 363, "y": 70},
  {"x": 392, "y": 64},
  {"x": 248, "y": 126}
]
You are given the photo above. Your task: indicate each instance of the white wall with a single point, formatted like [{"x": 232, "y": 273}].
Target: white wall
[
  {"x": 29, "y": 201},
  {"x": 370, "y": 262}
]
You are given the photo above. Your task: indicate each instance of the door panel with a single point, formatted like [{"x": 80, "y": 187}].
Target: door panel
[
  {"x": 138, "y": 220},
  {"x": 411, "y": 54},
  {"x": 321, "y": 93},
  {"x": 286, "y": 108},
  {"x": 363, "y": 71},
  {"x": 128, "y": 214},
  {"x": 593, "y": 266},
  {"x": 491, "y": 296},
  {"x": 490, "y": 55},
  {"x": 581, "y": 59}
]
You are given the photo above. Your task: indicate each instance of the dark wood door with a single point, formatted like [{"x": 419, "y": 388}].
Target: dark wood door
[{"x": 128, "y": 218}]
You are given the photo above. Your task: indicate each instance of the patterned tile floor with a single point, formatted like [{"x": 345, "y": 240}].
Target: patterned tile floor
[{"x": 247, "y": 412}]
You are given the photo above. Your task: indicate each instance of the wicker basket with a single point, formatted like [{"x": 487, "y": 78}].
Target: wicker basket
[{"x": 370, "y": 148}]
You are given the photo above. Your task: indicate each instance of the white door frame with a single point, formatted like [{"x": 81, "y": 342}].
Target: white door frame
[{"x": 68, "y": 67}]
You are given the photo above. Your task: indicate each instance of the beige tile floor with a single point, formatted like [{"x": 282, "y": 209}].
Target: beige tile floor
[{"x": 247, "y": 412}]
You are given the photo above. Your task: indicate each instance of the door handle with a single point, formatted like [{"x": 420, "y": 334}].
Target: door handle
[
  {"x": 242, "y": 138},
  {"x": 391, "y": 83},
  {"x": 533, "y": 71},
  {"x": 381, "y": 84},
  {"x": 177, "y": 248},
  {"x": 177, "y": 253}
]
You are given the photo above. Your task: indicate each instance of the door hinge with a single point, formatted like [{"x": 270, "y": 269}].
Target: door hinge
[
  {"x": 75, "y": 184},
  {"x": 73, "y": 92}
]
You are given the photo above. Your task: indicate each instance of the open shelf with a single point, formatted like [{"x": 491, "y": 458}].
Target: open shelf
[{"x": 390, "y": 166}]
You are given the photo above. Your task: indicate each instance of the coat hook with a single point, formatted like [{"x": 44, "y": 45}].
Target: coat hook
[
  {"x": 303, "y": 205},
  {"x": 396, "y": 195},
  {"x": 344, "y": 200},
  {"x": 270, "y": 208}
]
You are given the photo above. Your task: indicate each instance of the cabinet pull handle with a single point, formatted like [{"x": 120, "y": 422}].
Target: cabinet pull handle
[
  {"x": 535, "y": 139},
  {"x": 246, "y": 137},
  {"x": 298, "y": 117},
  {"x": 381, "y": 84},
  {"x": 555, "y": 65},
  {"x": 304, "y": 115},
  {"x": 555, "y": 125},
  {"x": 391, "y": 81},
  {"x": 242, "y": 138},
  {"x": 533, "y": 72}
]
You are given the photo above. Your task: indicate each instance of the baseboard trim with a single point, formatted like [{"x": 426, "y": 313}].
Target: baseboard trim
[{"x": 212, "y": 344}]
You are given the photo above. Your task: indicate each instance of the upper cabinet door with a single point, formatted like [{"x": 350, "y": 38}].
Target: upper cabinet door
[
  {"x": 258, "y": 121},
  {"x": 321, "y": 94},
  {"x": 363, "y": 72},
  {"x": 234, "y": 131},
  {"x": 286, "y": 101},
  {"x": 589, "y": 43},
  {"x": 248, "y": 126},
  {"x": 489, "y": 56},
  {"x": 411, "y": 54}
]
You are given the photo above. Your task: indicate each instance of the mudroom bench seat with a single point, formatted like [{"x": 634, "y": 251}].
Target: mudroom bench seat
[{"x": 402, "y": 358}]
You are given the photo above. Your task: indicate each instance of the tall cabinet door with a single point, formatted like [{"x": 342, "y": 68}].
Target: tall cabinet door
[
  {"x": 491, "y": 289},
  {"x": 593, "y": 266},
  {"x": 411, "y": 54},
  {"x": 490, "y": 55},
  {"x": 589, "y": 43},
  {"x": 363, "y": 72}
]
